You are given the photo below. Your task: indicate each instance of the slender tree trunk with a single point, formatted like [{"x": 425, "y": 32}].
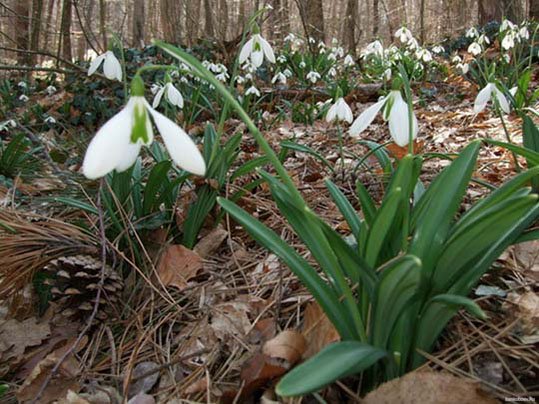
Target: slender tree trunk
[
  {"x": 223, "y": 14},
  {"x": 534, "y": 9},
  {"x": 138, "y": 23},
  {"x": 37, "y": 11},
  {"x": 65, "y": 30},
  {"x": 22, "y": 28},
  {"x": 312, "y": 14},
  {"x": 352, "y": 18},
  {"x": 422, "y": 21},
  {"x": 192, "y": 20},
  {"x": 276, "y": 22},
  {"x": 208, "y": 19},
  {"x": 514, "y": 11},
  {"x": 490, "y": 10},
  {"x": 375, "y": 17},
  {"x": 102, "y": 23},
  {"x": 171, "y": 20}
]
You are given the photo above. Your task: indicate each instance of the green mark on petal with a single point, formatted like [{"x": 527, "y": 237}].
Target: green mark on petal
[{"x": 140, "y": 128}]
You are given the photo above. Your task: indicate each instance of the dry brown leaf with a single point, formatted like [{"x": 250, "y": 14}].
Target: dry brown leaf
[
  {"x": 178, "y": 265},
  {"x": 288, "y": 345},
  {"x": 144, "y": 384},
  {"x": 64, "y": 380},
  {"x": 429, "y": 388},
  {"x": 198, "y": 386},
  {"x": 73, "y": 398},
  {"x": 527, "y": 311},
  {"x": 317, "y": 330},
  {"x": 17, "y": 336},
  {"x": 207, "y": 245},
  {"x": 233, "y": 318},
  {"x": 527, "y": 254},
  {"x": 258, "y": 371}
]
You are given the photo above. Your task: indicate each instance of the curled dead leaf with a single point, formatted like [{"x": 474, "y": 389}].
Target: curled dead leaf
[
  {"x": 288, "y": 345},
  {"x": 317, "y": 330},
  {"x": 178, "y": 265}
]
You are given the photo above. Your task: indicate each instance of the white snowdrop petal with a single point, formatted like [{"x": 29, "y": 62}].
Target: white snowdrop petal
[
  {"x": 181, "y": 148},
  {"x": 366, "y": 118},
  {"x": 112, "y": 67},
  {"x": 502, "y": 100},
  {"x": 257, "y": 57},
  {"x": 128, "y": 156},
  {"x": 246, "y": 50},
  {"x": 332, "y": 112},
  {"x": 174, "y": 96},
  {"x": 268, "y": 51},
  {"x": 95, "y": 64},
  {"x": 482, "y": 98},
  {"x": 106, "y": 149},
  {"x": 158, "y": 96},
  {"x": 399, "y": 123}
]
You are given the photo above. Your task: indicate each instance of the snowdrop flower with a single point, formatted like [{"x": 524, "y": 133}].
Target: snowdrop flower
[
  {"x": 281, "y": 59},
  {"x": 349, "y": 61},
  {"x": 424, "y": 55},
  {"x": 253, "y": 90},
  {"x": 463, "y": 67},
  {"x": 483, "y": 40},
  {"x": 438, "y": 49},
  {"x": 50, "y": 90},
  {"x": 340, "y": 111},
  {"x": 507, "y": 25},
  {"x": 395, "y": 111},
  {"x": 23, "y": 98},
  {"x": 312, "y": 40},
  {"x": 4, "y": 126},
  {"x": 506, "y": 58},
  {"x": 22, "y": 84},
  {"x": 523, "y": 33},
  {"x": 256, "y": 49},
  {"x": 508, "y": 41},
  {"x": 223, "y": 76},
  {"x": 456, "y": 59},
  {"x": 489, "y": 92},
  {"x": 117, "y": 144},
  {"x": 474, "y": 48},
  {"x": 302, "y": 65},
  {"x": 472, "y": 33},
  {"x": 50, "y": 120},
  {"x": 403, "y": 34},
  {"x": 288, "y": 73},
  {"x": 290, "y": 38},
  {"x": 279, "y": 77},
  {"x": 513, "y": 91},
  {"x": 111, "y": 66},
  {"x": 387, "y": 74},
  {"x": 374, "y": 48},
  {"x": 313, "y": 76},
  {"x": 412, "y": 44},
  {"x": 172, "y": 95},
  {"x": 332, "y": 72},
  {"x": 332, "y": 57}
]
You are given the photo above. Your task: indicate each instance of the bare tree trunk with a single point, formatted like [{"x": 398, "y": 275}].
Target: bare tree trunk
[
  {"x": 534, "y": 9},
  {"x": 171, "y": 20},
  {"x": 490, "y": 10},
  {"x": 22, "y": 28},
  {"x": 514, "y": 11},
  {"x": 102, "y": 23},
  {"x": 223, "y": 14},
  {"x": 37, "y": 11},
  {"x": 375, "y": 17},
  {"x": 65, "y": 31},
  {"x": 138, "y": 23},
  {"x": 208, "y": 19},
  {"x": 312, "y": 15},
  {"x": 285, "y": 17},
  {"x": 192, "y": 21},
  {"x": 422, "y": 21},
  {"x": 350, "y": 27},
  {"x": 276, "y": 22}
]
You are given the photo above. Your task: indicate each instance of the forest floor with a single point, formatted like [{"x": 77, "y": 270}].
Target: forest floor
[{"x": 232, "y": 318}]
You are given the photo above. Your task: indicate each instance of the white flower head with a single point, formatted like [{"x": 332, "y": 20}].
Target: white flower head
[
  {"x": 374, "y": 48},
  {"x": 171, "y": 93},
  {"x": 472, "y": 33},
  {"x": 483, "y": 40},
  {"x": 463, "y": 67},
  {"x": 507, "y": 25},
  {"x": 508, "y": 41},
  {"x": 474, "y": 48},
  {"x": 288, "y": 73},
  {"x": 424, "y": 55},
  {"x": 523, "y": 33},
  {"x": 395, "y": 111},
  {"x": 50, "y": 90},
  {"x": 253, "y": 90},
  {"x": 387, "y": 74},
  {"x": 50, "y": 120},
  {"x": 23, "y": 98},
  {"x": 117, "y": 144},
  {"x": 279, "y": 77},
  {"x": 349, "y": 61},
  {"x": 10, "y": 123},
  {"x": 490, "y": 91},
  {"x": 302, "y": 65},
  {"x": 256, "y": 49},
  {"x": 111, "y": 66},
  {"x": 340, "y": 111},
  {"x": 438, "y": 49},
  {"x": 313, "y": 76},
  {"x": 403, "y": 34},
  {"x": 281, "y": 59},
  {"x": 22, "y": 84}
]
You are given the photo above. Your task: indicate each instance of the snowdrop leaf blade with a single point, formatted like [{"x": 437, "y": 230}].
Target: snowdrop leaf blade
[
  {"x": 181, "y": 148},
  {"x": 366, "y": 118}
]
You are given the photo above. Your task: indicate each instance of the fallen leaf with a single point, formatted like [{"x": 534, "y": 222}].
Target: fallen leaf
[
  {"x": 527, "y": 254},
  {"x": 233, "y": 318},
  {"x": 207, "y": 245},
  {"x": 429, "y": 388},
  {"x": 525, "y": 307},
  {"x": 178, "y": 265},
  {"x": 198, "y": 386},
  {"x": 16, "y": 336},
  {"x": 288, "y": 346},
  {"x": 142, "y": 398},
  {"x": 65, "y": 379},
  {"x": 258, "y": 371},
  {"x": 73, "y": 398},
  {"x": 317, "y": 330},
  {"x": 144, "y": 384}
]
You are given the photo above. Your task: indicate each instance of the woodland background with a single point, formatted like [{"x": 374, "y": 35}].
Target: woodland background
[{"x": 67, "y": 29}]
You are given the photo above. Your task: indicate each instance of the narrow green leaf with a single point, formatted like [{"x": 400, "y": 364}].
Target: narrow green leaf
[
  {"x": 334, "y": 362},
  {"x": 345, "y": 207},
  {"x": 461, "y": 301},
  {"x": 287, "y": 144},
  {"x": 531, "y": 156},
  {"x": 367, "y": 203}
]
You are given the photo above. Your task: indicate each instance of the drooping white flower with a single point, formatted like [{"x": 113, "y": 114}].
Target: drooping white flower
[
  {"x": 50, "y": 90},
  {"x": 508, "y": 41},
  {"x": 281, "y": 59},
  {"x": 374, "y": 48},
  {"x": 395, "y": 111},
  {"x": 523, "y": 33},
  {"x": 111, "y": 66},
  {"x": 456, "y": 59},
  {"x": 253, "y": 90},
  {"x": 472, "y": 33},
  {"x": 332, "y": 72},
  {"x": 10, "y": 123},
  {"x": 437, "y": 49},
  {"x": 412, "y": 44},
  {"x": 349, "y": 61},
  {"x": 490, "y": 91},
  {"x": 256, "y": 49},
  {"x": 171, "y": 93},
  {"x": 290, "y": 38},
  {"x": 483, "y": 40},
  {"x": 50, "y": 120},
  {"x": 340, "y": 111},
  {"x": 313, "y": 76},
  {"x": 279, "y": 77},
  {"x": 23, "y": 98},
  {"x": 474, "y": 48},
  {"x": 424, "y": 55},
  {"x": 22, "y": 84},
  {"x": 507, "y": 25},
  {"x": 463, "y": 67},
  {"x": 387, "y": 74},
  {"x": 288, "y": 73},
  {"x": 117, "y": 144},
  {"x": 403, "y": 34},
  {"x": 302, "y": 65}
]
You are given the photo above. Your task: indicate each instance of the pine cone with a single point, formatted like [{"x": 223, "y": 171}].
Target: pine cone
[{"x": 74, "y": 282}]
